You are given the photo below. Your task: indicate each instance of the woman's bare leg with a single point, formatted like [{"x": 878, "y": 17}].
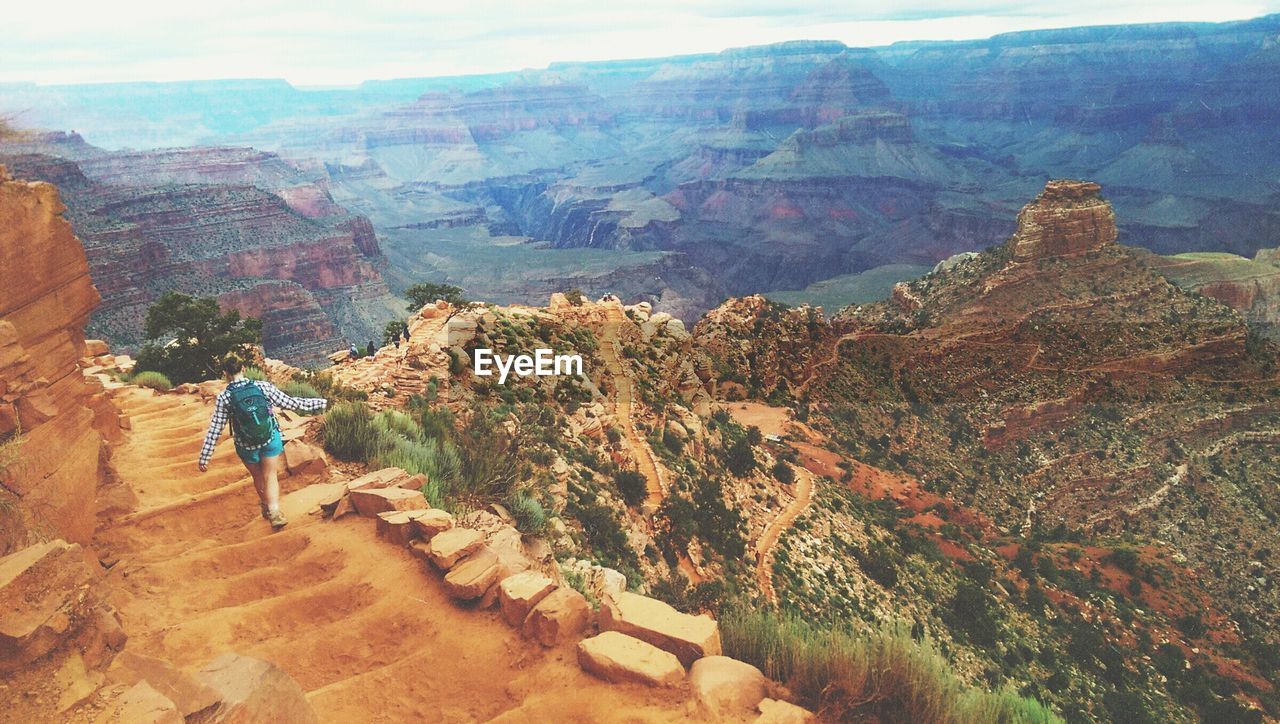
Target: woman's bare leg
[
  {"x": 270, "y": 468},
  {"x": 259, "y": 480}
]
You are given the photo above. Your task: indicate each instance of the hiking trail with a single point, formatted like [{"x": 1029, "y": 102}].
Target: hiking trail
[
  {"x": 779, "y": 525},
  {"x": 623, "y": 406},
  {"x": 356, "y": 621}
]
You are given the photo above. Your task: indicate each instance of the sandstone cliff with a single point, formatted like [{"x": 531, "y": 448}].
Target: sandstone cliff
[
  {"x": 1068, "y": 217},
  {"x": 53, "y": 420}
]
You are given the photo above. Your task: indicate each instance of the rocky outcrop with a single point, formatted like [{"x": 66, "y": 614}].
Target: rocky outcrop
[
  {"x": 1068, "y": 217},
  {"x": 53, "y": 424}
]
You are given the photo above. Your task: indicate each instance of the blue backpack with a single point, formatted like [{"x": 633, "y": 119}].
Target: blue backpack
[{"x": 252, "y": 423}]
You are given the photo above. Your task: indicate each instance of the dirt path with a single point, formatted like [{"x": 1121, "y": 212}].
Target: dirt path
[
  {"x": 769, "y": 538},
  {"x": 623, "y": 407},
  {"x": 367, "y": 634}
]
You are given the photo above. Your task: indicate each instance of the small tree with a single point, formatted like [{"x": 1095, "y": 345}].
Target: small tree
[
  {"x": 783, "y": 472},
  {"x": 574, "y": 296},
  {"x": 632, "y": 485},
  {"x": 188, "y": 337},
  {"x": 741, "y": 459},
  {"x": 424, "y": 293},
  {"x": 391, "y": 332}
]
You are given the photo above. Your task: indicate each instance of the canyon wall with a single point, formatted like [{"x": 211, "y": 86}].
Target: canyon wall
[
  {"x": 53, "y": 423},
  {"x": 260, "y": 234}
]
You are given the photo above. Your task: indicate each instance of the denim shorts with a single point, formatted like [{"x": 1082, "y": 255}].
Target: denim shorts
[{"x": 272, "y": 449}]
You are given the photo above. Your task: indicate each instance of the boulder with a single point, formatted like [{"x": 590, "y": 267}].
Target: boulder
[
  {"x": 451, "y": 546},
  {"x": 95, "y": 348},
  {"x": 774, "y": 711},
  {"x": 518, "y": 594},
  {"x": 470, "y": 578},
  {"x": 397, "y": 526},
  {"x": 619, "y": 658},
  {"x": 143, "y": 704},
  {"x": 252, "y": 690},
  {"x": 431, "y": 523},
  {"x": 371, "y": 501},
  {"x": 177, "y": 686},
  {"x": 44, "y": 600},
  {"x": 561, "y": 615},
  {"x": 300, "y": 458},
  {"x": 648, "y": 619},
  {"x": 726, "y": 687}
]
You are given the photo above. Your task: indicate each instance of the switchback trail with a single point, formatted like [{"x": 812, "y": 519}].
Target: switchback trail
[
  {"x": 769, "y": 538},
  {"x": 624, "y": 394},
  {"x": 356, "y": 621}
]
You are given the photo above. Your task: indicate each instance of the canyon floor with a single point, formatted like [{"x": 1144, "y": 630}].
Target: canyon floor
[{"x": 363, "y": 629}]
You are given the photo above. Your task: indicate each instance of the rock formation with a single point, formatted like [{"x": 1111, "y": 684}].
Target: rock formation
[
  {"x": 53, "y": 423},
  {"x": 1068, "y": 217}
]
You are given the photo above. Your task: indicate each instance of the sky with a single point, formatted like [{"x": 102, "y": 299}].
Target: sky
[{"x": 321, "y": 43}]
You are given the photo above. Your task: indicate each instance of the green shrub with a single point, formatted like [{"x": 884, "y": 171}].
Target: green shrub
[
  {"x": 253, "y": 373},
  {"x": 883, "y": 675},
  {"x": 783, "y": 473},
  {"x": 349, "y": 433},
  {"x": 300, "y": 389},
  {"x": 632, "y": 485},
  {"x": 394, "y": 422},
  {"x": 153, "y": 380},
  {"x": 530, "y": 517}
]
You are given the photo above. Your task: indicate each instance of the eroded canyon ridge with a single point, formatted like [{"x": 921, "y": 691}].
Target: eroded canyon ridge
[{"x": 807, "y": 170}]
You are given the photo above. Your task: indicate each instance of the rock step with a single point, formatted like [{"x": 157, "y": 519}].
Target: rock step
[
  {"x": 620, "y": 658},
  {"x": 648, "y": 619},
  {"x": 518, "y": 594}
]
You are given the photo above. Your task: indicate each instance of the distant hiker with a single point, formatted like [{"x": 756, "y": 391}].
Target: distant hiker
[
  {"x": 353, "y": 351},
  {"x": 248, "y": 405},
  {"x": 404, "y": 332},
  {"x": 396, "y": 341},
  {"x": 369, "y": 349}
]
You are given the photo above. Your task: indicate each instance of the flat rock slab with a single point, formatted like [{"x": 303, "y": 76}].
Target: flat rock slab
[
  {"x": 648, "y": 619},
  {"x": 471, "y": 577},
  {"x": 726, "y": 687},
  {"x": 518, "y": 594},
  {"x": 371, "y": 501},
  {"x": 562, "y": 614},
  {"x": 396, "y": 526},
  {"x": 384, "y": 478},
  {"x": 431, "y": 523},
  {"x": 619, "y": 658},
  {"x": 451, "y": 546},
  {"x": 253, "y": 690}
]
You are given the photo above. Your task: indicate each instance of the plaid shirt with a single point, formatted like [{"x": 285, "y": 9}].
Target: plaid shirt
[{"x": 221, "y": 411}]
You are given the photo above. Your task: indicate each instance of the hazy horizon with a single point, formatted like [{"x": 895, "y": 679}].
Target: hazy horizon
[{"x": 318, "y": 47}]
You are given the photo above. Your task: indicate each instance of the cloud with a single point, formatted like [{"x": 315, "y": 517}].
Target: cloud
[{"x": 316, "y": 42}]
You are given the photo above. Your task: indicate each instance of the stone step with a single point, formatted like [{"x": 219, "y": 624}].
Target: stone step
[
  {"x": 648, "y": 619},
  {"x": 620, "y": 658}
]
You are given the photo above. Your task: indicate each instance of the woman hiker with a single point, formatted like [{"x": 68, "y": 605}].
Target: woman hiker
[{"x": 248, "y": 405}]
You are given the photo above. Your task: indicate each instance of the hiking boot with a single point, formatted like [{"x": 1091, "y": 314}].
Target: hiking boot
[
  {"x": 276, "y": 519},
  {"x": 266, "y": 512}
]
